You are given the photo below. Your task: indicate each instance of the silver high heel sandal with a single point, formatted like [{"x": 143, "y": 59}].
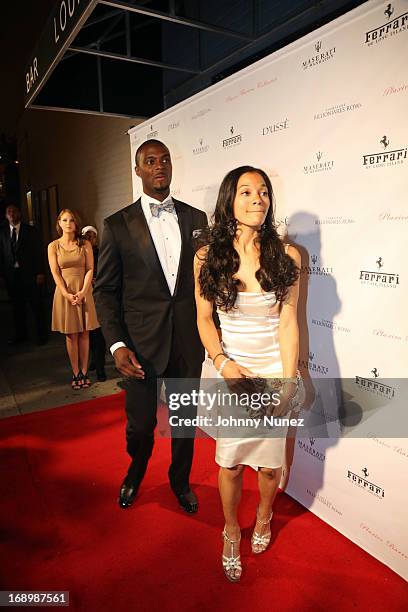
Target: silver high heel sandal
[
  {"x": 258, "y": 540},
  {"x": 231, "y": 565}
]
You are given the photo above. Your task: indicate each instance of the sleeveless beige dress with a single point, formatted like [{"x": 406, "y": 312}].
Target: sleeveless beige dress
[{"x": 66, "y": 318}]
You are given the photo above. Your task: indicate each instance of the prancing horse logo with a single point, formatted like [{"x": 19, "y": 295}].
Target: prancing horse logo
[
  {"x": 385, "y": 142},
  {"x": 365, "y": 472},
  {"x": 389, "y": 11},
  {"x": 374, "y": 371},
  {"x": 379, "y": 263}
]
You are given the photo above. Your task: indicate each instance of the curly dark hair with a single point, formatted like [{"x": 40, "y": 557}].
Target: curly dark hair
[{"x": 277, "y": 271}]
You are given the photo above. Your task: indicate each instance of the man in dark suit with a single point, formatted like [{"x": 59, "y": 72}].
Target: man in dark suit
[
  {"x": 144, "y": 296},
  {"x": 22, "y": 266}
]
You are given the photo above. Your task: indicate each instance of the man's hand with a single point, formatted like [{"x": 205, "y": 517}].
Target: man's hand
[{"x": 127, "y": 364}]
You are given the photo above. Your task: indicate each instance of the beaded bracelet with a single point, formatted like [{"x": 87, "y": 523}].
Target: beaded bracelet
[{"x": 223, "y": 364}]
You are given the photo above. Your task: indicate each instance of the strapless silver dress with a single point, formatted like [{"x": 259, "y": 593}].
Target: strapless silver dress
[{"x": 250, "y": 337}]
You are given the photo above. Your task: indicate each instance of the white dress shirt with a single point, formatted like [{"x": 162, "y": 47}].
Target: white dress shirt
[
  {"x": 165, "y": 233},
  {"x": 17, "y": 227}
]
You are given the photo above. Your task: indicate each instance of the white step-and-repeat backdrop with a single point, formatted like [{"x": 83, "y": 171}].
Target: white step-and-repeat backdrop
[{"x": 326, "y": 117}]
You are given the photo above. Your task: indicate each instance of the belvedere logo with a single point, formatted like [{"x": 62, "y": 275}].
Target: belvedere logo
[
  {"x": 363, "y": 483},
  {"x": 387, "y": 280}
]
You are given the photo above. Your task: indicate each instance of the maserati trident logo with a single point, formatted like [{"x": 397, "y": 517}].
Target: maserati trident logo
[
  {"x": 315, "y": 269},
  {"x": 319, "y": 165},
  {"x": 203, "y": 148},
  {"x": 389, "y": 11},
  {"x": 385, "y": 142},
  {"x": 311, "y": 449},
  {"x": 320, "y": 56},
  {"x": 313, "y": 366}
]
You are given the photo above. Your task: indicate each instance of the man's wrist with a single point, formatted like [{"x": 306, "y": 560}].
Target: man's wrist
[{"x": 117, "y": 345}]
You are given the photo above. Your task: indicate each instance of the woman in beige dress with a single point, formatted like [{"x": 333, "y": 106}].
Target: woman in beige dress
[
  {"x": 73, "y": 311},
  {"x": 247, "y": 273}
]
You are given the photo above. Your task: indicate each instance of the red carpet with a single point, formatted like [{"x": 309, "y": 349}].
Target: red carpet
[{"x": 62, "y": 530}]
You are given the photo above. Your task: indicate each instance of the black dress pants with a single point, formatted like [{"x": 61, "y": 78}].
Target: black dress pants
[
  {"x": 97, "y": 349},
  {"x": 141, "y": 408},
  {"x": 25, "y": 291}
]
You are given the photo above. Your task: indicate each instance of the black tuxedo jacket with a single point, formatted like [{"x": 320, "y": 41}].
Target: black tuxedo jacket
[
  {"x": 133, "y": 301},
  {"x": 29, "y": 253}
]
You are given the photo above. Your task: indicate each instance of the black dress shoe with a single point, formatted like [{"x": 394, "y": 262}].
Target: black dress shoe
[
  {"x": 188, "y": 501},
  {"x": 127, "y": 494},
  {"x": 101, "y": 375}
]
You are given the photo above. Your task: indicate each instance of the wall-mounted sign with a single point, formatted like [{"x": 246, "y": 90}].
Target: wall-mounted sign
[{"x": 62, "y": 26}]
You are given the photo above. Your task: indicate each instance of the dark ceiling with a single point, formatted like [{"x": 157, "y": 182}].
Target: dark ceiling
[{"x": 137, "y": 58}]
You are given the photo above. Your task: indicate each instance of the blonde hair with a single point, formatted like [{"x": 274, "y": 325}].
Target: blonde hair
[{"x": 77, "y": 221}]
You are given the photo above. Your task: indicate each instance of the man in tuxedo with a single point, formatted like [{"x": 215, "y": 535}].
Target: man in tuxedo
[
  {"x": 22, "y": 266},
  {"x": 144, "y": 295}
]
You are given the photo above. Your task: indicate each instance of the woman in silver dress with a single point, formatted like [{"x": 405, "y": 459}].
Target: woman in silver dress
[{"x": 248, "y": 274}]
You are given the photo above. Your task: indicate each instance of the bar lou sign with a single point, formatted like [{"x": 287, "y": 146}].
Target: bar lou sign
[{"x": 62, "y": 26}]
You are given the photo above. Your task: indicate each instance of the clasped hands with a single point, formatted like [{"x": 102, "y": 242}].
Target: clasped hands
[
  {"x": 75, "y": 299},
  {"x": 241, "y": 380}
]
